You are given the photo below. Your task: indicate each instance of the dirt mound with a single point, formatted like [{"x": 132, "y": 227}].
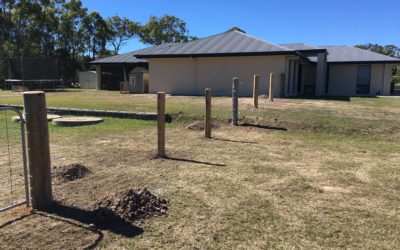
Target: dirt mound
[
  {"x": 70, "y": 172},
  {"x": 131, "y": 205},
  {"x": 200, "y": 126}
]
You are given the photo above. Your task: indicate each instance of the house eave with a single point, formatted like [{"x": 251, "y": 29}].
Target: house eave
[
  {"x": 365, "y": 62},
  {"x": 270, "y": 53}
]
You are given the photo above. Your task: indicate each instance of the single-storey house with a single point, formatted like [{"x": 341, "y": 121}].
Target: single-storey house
[{"x": 300, "y": 69}]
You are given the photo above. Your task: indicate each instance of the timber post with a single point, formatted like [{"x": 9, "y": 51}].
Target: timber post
[
  {"x": 235, "y": 101},
  {"x": 161, "y": 124},
  {"x": 37, "y": 135},
  {"x": 208, "y": 113},
  {"x": 255, "y": 91},
  {"x": 271, "y": 87}
]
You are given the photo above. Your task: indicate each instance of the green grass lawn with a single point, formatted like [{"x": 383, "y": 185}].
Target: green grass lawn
[{"x": 297, "y": 173}]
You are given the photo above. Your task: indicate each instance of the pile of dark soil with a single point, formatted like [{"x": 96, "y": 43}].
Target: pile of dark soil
[
  {"x": 131, "y": 205},
  {"x": 70, "y": 172},
  {"x": 199, "y": 125}
]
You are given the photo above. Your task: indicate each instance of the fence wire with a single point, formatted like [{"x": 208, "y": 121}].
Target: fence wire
[{"x": 12, "y": 179}]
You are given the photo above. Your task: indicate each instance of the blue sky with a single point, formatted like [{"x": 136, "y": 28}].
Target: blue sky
[{"x": 316, "y": 22}]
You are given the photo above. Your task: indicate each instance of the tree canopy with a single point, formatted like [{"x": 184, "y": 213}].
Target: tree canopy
[
  {"x": 389, "y": 50},
  {"x": 66, "y": 30},
  {"x": 236, "y": 28},
  {"x": 166, "y": 29}
]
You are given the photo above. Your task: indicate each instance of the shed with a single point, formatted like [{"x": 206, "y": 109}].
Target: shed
[
  {"x": 111, "y": 71},
  {"x": 88, "y": 80}
]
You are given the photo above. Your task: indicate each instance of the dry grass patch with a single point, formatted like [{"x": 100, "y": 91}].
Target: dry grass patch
[{"x": 250, "y": 187}]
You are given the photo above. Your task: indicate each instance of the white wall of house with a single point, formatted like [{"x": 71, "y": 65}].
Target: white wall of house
[
  {"x": 343, "y": 79},
  {"x": 190, "y": 76}
]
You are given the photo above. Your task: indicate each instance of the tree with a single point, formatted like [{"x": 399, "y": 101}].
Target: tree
[
  {"x": 236, "y": 28},
  {"x": 70, "y": 32},
  {"x": 167, "y": 29},
  {"x": 96, "y": 33},
  {"x": 389, "y": 50},
  {"x": 121, "y": 29}
]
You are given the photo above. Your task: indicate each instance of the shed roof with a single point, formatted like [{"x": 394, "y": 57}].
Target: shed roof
[
  {"x": 224, "y": 44},
  {"x": 122, "y": 58}
]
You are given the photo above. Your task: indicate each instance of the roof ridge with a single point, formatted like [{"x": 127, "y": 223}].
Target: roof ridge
[
  {"x": 239, "y": 32},
  {"x": 262, "y": 40},
  {"x": 291, "y": 43}
]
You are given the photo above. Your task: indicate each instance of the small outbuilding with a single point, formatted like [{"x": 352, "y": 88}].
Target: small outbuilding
[
  {"x": 113, "y": 70},
  {"x": 88, "y": 80}
]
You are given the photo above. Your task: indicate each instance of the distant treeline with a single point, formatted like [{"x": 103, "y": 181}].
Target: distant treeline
[{"x": 66, "y": 30}]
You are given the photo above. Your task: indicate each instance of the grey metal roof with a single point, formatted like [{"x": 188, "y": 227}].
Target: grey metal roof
[
  {"x": 227, "y": 43},
  {"x": 348, "y": 54},
  {"x": 238, "y": 43},
  {"x": 299, "y": 46},
  {"x": 123, "y": 58}
]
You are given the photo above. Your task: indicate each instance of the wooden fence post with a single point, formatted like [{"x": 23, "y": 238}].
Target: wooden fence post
[
  {"x": 208, "y": 113},
  {"x": 235, "y": 100},
  {"x": 37, "y": 134},
  {"x": 255, "y": 91},
  {"x": 271, "y": 87},
  {"x": 161, "y": 124}
]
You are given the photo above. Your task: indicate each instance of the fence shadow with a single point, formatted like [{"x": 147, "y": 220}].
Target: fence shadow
[
  {"x": 15, "y": 220},
  {"x": 99, "y": 234},
  {"x": 263, "y": 126},
  {"x": 322, "y": 98},
  {"x": 229, "y": 140},
  {"x": 112, "y": 223},
  {"x": 194, "y": 161}
]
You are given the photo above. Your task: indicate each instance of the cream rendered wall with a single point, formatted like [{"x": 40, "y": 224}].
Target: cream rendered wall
[
  {"x": 172, "y": 75},
  {"x": 190, "y": 76},
  {"x": 387, "y": 76},
  {"x": 343, "y": 79}
]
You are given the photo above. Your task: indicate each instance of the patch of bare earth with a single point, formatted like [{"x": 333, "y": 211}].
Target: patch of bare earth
[{"x": 70, "y": 172}]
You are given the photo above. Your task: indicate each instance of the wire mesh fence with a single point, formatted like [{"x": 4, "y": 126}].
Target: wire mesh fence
[{"x": 13, "y": 180}]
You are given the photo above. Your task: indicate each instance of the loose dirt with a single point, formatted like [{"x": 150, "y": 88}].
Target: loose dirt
[
  {"x": 131, "y": 205},
  {"x": 70, "y": 172},
  {"x": 199, "y": 125}
]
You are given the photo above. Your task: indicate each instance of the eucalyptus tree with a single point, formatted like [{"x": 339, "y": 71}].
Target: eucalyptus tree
[
  {"x": 166, "y": 29},
  {"x": 121, "y": 30}
]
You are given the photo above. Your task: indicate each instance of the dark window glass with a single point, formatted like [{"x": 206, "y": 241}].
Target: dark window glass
[{"x": 363, "y": 79}]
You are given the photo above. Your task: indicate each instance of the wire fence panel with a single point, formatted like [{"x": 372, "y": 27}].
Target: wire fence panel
[{"x": 13, "y": 168}]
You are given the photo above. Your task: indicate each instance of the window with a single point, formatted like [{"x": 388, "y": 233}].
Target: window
[{"x": 363, "y": 79}]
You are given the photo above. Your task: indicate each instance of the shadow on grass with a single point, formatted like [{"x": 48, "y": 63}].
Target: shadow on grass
[
  {"x": 92, "y": 223},
  {"x": 229, "y": 140},
  {"x": 322, "y": 98},
  {"x": 92, "y": 245},
  {"x": 194, "y": 161},
  {"x": 112, "y": 223},
  {"x": 263, "y": 126},
  {"x": 15, "y": 220}
]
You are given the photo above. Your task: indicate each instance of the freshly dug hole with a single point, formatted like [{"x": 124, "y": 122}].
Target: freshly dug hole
[
  {"x": 70, "y": 172},
  {"x": 131, "y": 205}
]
